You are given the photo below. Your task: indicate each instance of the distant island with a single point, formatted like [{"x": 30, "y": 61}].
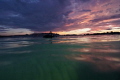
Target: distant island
[
  {"x": 31, "y": 35},
  {"x": 56, "y": 35},
  {"x": 107, "y": 33}
]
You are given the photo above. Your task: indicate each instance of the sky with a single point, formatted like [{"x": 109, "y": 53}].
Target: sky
[{"x": 59, "y": 16}]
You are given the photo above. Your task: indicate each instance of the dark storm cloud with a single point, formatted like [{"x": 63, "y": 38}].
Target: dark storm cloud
[{"x": 37, "y": 15}]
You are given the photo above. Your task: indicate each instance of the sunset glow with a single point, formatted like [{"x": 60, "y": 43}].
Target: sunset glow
[{"x": 59, "y": 16}]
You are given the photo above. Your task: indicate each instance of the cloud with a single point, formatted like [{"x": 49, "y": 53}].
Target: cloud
[
  {"x": 37, "y": 15},
  {"x": 59, "y": 15},
  {"x": 82, "y": 0},
  {"x": 85, "y": 11},
  {"x": 3, "y": 30},
  {"x": 106, "y": 18}
]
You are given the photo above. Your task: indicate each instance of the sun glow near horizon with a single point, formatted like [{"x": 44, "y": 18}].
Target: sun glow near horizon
[{"x": 76, "y": 31}]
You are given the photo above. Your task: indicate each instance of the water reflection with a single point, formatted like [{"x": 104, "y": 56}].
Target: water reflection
[
  {"x": 21, "y": 42},
  {"x": 60, "y": 58},
  {"x": 92, "y": 50},
  {"x": 104, "y": 55},
  {"x": 100, "y": 47},
  {"x": 87, "y": 39},
  {"x": 103, "y": 63},
  {"x": 14, "y": 43}
]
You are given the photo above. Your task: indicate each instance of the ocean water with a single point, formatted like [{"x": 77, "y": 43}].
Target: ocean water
[{"x": 61, "y": 58}]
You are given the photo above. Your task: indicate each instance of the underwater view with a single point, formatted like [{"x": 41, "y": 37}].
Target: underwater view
[{"x": 92, "y": 57}]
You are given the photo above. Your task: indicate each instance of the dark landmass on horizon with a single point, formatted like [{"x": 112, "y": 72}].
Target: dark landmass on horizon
[
  {"x": 55, "y": 34},
  {"x": 107, "y": 33},
  {"x": 28, "y": 35}
]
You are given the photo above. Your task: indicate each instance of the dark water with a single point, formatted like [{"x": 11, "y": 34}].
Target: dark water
[{"x": 61, "y": 58}]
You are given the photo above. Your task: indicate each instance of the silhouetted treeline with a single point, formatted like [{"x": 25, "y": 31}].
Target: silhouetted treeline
[
  {"x": 107, "y": 33},
  {"x": 28, "y": 35},
  {"x": 71, "y": 35},
  {"x": 55, "y": 34}
]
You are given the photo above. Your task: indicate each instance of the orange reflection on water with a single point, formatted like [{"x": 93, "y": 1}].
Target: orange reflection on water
[
  {"x": 104, "y": 56},
  {"x": 97, "y": 50},
  {"x": 102, "y": 63},
  {"x": 87, "y": 39},
  {"x": 103, "y": 47}
]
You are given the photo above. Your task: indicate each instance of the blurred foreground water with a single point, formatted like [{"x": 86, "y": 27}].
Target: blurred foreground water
[{"x": 61, "y": 58}]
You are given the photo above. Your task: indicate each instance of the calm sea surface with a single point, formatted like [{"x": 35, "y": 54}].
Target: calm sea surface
[{"x": 61, "y": 58}]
